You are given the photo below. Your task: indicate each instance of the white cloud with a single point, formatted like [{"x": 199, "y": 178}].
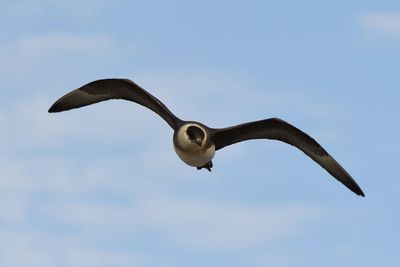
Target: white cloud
[
  {"x": 37, "y": 9},
  {"x": 381, "y": 25},
  {"x": 151, "y": 202},
  {"x": 211, "y": 225},
  {"x": 43, "y": 53},
  {"x": 26, "y": 123},
  {"x": 56, "y": 215},
  {"x": 101, "y": 239},
  {"x": 41, "y": 178},
  {"x": 201, "y": 224},
  {"x": 227, "y": 98}
]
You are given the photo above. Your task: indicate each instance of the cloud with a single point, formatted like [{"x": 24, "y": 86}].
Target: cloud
[
  {"x": 38, "y": 9},
  {"x": 84, "y": 180},
  {"x": 50, "y": 51},
  {"x": 194, "y": 223},
  {"x": 30, "y": 248},
  {"x": 76, "y": 206},
  {"x": 26, "y": 124},
  {"x": 381, "y": 25},
  {"x": 211, "y": 225},
  {"x": 96, "y": 232},
  {"x": 216, "y": 95}
]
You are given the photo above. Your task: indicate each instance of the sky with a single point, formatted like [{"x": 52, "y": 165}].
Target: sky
[{"x": 102, "y": 185}]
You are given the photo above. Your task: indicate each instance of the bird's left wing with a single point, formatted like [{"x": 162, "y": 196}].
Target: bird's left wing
[
  {"x": 278, "y": 129},
  {"x": 106, "y": 89}
]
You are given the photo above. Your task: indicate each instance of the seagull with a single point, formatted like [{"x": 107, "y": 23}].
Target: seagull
[{"x": 194, "y": 142}]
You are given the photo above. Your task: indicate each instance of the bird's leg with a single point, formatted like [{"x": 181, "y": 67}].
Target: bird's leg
[{"x": 207, "y": 166}]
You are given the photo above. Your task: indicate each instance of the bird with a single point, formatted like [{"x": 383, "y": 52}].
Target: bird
[{"x": 195, "y": 143}]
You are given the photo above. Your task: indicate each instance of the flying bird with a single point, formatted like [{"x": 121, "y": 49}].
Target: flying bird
[{"x": 194, "y": 142}]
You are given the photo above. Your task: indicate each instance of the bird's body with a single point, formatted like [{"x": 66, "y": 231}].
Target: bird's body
[
  {"x": 193, "y": 154},
  {"x": 195, "y": 143}
]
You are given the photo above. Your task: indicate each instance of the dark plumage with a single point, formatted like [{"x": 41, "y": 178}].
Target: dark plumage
[{"x": 196, "y": 143}]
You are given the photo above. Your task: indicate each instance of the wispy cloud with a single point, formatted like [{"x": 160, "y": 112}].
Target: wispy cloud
[
  {"x": 195, "y": 223},
  {"x": 28, "y": 9},
  {"x": 381, "y": 25},
  {"x": 112, "y": 201},
  {"x": 228, "y": 98},
  {"x": 26, "y": 55},
  {"x": 72, "y": 170},
  {"x": 92, "y": 230}
]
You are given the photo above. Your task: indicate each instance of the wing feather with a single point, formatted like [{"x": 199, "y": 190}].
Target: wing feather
[
  {"x": 107, "y": 89},
  {"x": 278, "y": 129}
]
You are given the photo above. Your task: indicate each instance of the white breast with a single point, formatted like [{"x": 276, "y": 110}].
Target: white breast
[{"x": 190, "y": 152}]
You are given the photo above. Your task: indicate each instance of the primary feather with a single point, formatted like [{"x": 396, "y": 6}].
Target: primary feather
[
  {"x": 278, "y": 129},
  {"x": 107, "y": 89}
]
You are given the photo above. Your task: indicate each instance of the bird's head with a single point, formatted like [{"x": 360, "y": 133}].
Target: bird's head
[{"x": 195, "y": 135}]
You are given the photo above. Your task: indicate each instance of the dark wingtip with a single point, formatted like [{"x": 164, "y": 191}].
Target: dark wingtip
[
  {"x": 59, "y": 106},
  {"x": 358, "y": 191},
  {"x": 53, "y": 108}
]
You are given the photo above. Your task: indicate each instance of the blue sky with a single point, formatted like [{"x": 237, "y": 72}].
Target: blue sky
[{"x": 102, "y": 186}]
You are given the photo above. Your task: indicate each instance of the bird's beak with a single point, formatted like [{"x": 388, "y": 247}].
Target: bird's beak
[{"x": 198, "y": 141}]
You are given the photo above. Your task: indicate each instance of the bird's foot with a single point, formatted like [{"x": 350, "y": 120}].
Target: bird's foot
[{"x": 207, "y": 166}]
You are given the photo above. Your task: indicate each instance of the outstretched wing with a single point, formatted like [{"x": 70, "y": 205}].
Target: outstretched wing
[
  {"x": 106, "y": 89},
  {"x": 280, "y": 130}
]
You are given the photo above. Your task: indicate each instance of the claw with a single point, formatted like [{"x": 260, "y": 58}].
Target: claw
[{"x": 207, "y": 166}]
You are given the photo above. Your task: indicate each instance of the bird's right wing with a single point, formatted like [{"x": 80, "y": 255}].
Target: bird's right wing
[
  {"x": 278, "y": 129},
  {"x": 106, "y": 89}
]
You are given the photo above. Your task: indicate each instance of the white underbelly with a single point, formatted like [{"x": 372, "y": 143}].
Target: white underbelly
[{"x": 198, "y": 158}]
